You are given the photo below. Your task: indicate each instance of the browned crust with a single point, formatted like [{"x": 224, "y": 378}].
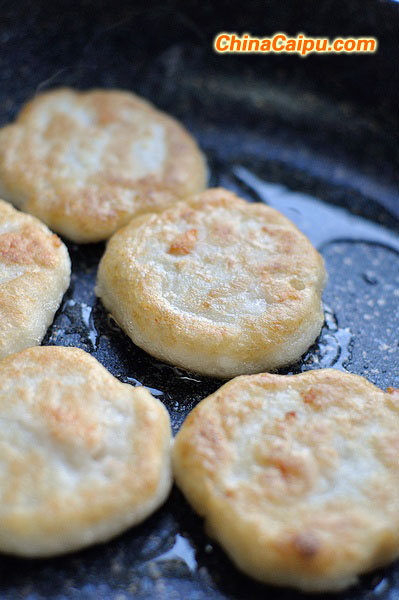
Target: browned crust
[
  {"x": 39, "y": 268},
  {"x": 130, "y": 287},
  {"x": 29, "y": 246},
  {"x": 262, "y": 495},
  {"x": 64, "y": 394},
  {"x": 92, "y": 212}
]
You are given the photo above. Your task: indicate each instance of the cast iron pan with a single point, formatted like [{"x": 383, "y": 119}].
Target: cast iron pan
[{"x": 302, "y": 135}]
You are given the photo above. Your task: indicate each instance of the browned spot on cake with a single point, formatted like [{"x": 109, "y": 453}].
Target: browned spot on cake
[
  {"x": 56, "y": 241},
  {"x": 310, "y": 396},
  {"x": 184, "y": 243},
  {"x": 27, "y": 247},
  {"x": 275, "y": 266},
  {"x": 65, "y": 423},
  {"x": 306, "y": 544},
  {"x": 290, "y": 415},
  {"x": 285, "y": 295},
  {"x": 393, "y": 398},
  {"x": 188, "y": 215},
  {"x": 287, "y": 242},
  {"x": 271, "y": 231},
  {"x": 222, "y": 231}
]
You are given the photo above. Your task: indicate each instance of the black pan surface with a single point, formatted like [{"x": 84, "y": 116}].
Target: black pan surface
[{"x": 326, "y": 160}]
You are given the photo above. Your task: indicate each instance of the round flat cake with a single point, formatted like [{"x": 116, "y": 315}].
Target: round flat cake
[
  {"x": 34, "y": 275},
  {"x": 216, "y": 285},
  {"x": 82, "y": 456},
  {"x": 297, "y": 477},
  {"x": 85, "y": 163}
]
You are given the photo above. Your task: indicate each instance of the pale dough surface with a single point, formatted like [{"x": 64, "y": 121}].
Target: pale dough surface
[
  {"x": 216, "y": 285},
  {"x": 85, "y": 163},
  {"x": 34, "y": 275},
  {"x": 82, "y": 456},
  {"x": 297, "y": 476}
]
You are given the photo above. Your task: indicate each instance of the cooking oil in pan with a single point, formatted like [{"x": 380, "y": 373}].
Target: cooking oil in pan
[{"x": 361, "y": 301}]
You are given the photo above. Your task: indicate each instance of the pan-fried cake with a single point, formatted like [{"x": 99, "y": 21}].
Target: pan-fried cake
[
  {"x": 82, "y": 456},
  {"x": 215, "y": 284},
  {"x": 34, "y": 274},
  {"x": 85, "y": 163},
  {"x": 297, "y": 476}
]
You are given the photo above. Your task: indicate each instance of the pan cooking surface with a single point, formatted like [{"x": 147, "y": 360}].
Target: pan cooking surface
[
  {"x": 169, "y": 555},
  {"x": 301, "y": 152}
]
